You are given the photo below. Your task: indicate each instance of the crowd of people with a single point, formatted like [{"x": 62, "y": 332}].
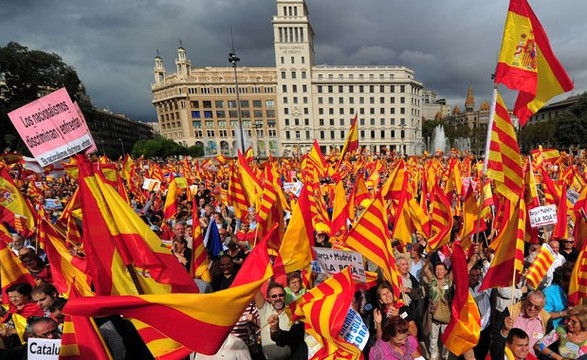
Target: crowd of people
[{"x": 516, "y": 322}]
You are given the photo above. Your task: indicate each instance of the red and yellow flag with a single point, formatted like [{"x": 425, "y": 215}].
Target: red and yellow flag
[
  {"x": 370, "y": 237},
  {"x": 508, "y": 246},
  {"x": 578, "y": 283},
  {"x": 527, "y": 62},
  {"x": 323, "y": 309},
  {"x": 504, "y": 162},
  {"x": 12, "y": 271},
  {"x": 352, "y": 141},
  {"x": 463, "y": 330},
  {"x": 538, "y": 269},
  {"x": 14, "y": 208},
  {"x": 187, "y": 318},
  {"x": 200, "y": 262}
]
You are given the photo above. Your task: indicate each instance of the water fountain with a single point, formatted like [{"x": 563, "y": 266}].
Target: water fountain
[{"x": 439, "y": 140}]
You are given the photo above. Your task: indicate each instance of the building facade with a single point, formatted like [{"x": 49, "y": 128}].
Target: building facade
[{"x": 283, "y": 109}]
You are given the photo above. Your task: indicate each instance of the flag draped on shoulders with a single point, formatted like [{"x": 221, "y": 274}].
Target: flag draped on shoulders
[
  {"x": 201, "y": 322},
  {"x": 527, "y": 62}
]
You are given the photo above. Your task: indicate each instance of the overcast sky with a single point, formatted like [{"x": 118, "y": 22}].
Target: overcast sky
[{"x": 450, "y": 44}]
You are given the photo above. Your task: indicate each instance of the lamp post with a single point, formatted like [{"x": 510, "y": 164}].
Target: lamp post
[
  {"x": 233, "y": 59},
  {"x": 121, "y": 145}
]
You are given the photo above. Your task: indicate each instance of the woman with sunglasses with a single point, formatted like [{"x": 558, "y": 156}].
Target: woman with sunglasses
[{"x": 571, "y": 337}]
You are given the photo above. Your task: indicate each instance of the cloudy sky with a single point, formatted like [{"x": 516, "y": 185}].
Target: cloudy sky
[{"x": 450, "y": 44}]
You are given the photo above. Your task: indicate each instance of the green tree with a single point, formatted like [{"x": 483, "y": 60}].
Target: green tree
[
  {"x": 158, "y": 147},
  {"x": 28, "y": 74}
]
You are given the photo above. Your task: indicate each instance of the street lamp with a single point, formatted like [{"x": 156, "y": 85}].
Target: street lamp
[
  {"x": 121, "y": 145},
  {"x": 233, "y": 59}
]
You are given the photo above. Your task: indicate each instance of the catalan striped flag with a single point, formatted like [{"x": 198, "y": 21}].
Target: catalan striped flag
[
  {"x": 249, "y": 180},
  {"x": 527, "y": 62},
  {"x": 463, "y": 331},
  {"x": 370, "y": 237},
  {"x": 237, "y": 197},
  {"x": 578, "y": 283},
  {"x": 508, "y": 246},
  {"x": 537, "y": 270},
  {"x": 340, "y": 210},
  {"x": 504, "y": 162},
  {"x": 441, "y": 221},
  {"x": 270, "y": 212},
  {"x": 188, "y": 318},
  {"x": 323, "y": 309}
]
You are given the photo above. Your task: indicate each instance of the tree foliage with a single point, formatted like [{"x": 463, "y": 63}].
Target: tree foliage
[
  {"x": 29, "y": 74},
  {"x": 158, "y": 147}
]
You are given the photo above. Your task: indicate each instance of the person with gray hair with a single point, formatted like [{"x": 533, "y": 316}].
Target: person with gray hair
[{"x": 528, "y": 315}]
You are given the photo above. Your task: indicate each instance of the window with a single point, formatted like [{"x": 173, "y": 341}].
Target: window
[
  {"x": 305, "y": 88},
  {"x": 341, "y": 111},
  {"x": 402, "y": 100},
  {"x": 372, "y": 122},
  {"x": 382, "y": 88},
  {"x": 341, "y": 122},
  {"x": 257, "y": 103},
  {"x": 208, "y": 114},
  {"x": 195, "y": 114},
  {"x": 319, "y": 89},
  {"x": 287, "y": 135},
  {"x": 321, "y": 122},
  {"x": 232, "y": 104},
  {"x": 340, "y": 89},
  {"x": 258, "y": 113},
  {"x": 285, "y": 99},
  {"x": 321, "y": 134},
  {"x": 330, "y": 89},
  {"x": 207, "y": 104},
  {"x": 341, "y": 100},
  {"x": 294, "y": 88},
  {"x": 286, "y": 122},
  {"x": 331, "y": 100},
  {"x": 383, "y": 134},
  {"x": 298, "y": 135},
  {"x": 307, "y": 122},
  {"x": 297, "y": 122},
  {"x": 197, "y": 124},
  {"x": 402, "y": 88},
  {"x": 320, "y": 100},
  {"x": 284, "y": 88},
  {"x": 307, "y": 134},
  {"x": 303, "y": 74},
  {"x": 283, "y": 74},
  {"x": 194, "y": 104},
  {"x": 331, "y": 122},
  {"x": 332, "y": 134},
  {"x": 351, "y": 88},
  {"x": 342, "y": 134},
  {"x": 219, "y": 103},
  {"x": 270, "y": 113},
  {"x": 222, "y": 124},
  {"x": 371, "y": 88},
  {"x": 392, "y": 88},
  {"x": 270, "y": 104},
  {"x": 271, "y": 123},
  {"x": 293, "y": 74},
  {"x": 382, "y": 122},
  {"x": 233, "y": 113},
  {"x": 286, "y": 111}
]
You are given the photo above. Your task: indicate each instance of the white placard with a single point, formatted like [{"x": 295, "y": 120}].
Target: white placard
[
  {"x": 43, "y": 349},
  {"x": 330, "y": 261},
  {"x": 354, "y": 329},
  {"x": 151, "y": 184},
  {"x": 53, "y": 204},
  {"x": 572, "y": 196},
  {"x": 542, "y": 215}
]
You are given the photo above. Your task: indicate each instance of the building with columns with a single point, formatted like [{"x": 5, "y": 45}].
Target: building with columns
[{"x": 284, "y": 108}]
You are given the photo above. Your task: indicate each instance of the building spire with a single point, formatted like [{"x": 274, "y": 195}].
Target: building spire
[{"x": 470, "y": 102}]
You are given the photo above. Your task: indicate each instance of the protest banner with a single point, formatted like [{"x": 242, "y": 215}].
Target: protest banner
[
  {"x": 354, "y": 330},
  {"x": 93, "y": 148},
  {"x": 330, "y": 261},
  {"x": 51, "y": 127},
  {"x": 542, "y": 215},
  {"x": 53, "y": 204}
]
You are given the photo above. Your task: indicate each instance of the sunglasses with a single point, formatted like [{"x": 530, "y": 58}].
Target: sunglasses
[
  {"x": 533, "y": 306},
  {"x": 275, "y": 296}
]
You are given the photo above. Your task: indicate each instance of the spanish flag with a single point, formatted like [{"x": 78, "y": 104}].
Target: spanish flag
[
  {"x": 527, "y": 62},
  {"x": 14, "y": 208},
  {"x": 201, "y": 322}
]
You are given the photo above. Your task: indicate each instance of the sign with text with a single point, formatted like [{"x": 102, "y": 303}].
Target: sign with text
[
  {"x": 53, "y": 204},
  {"x": 43, "y": 349},
  {"x": 92, "y": 148},
  {"x": 542, "y": 215},
  {"x": 51, "y": 127},
  {"x": 354, "y": 330},
  {"x": 151, "y": 184},
  {"x": 330, "y": 261}
]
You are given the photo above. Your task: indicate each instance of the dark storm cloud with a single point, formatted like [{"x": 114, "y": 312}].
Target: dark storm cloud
[{"x": 450, "y": 44}]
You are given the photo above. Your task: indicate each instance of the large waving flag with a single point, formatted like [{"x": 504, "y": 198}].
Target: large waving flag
[
  {"x": 188, "y": 318},
  {"x": 370, "y": 237},
  {"x": 323, "y": 309},
  {"x": 340, "y": 210},
  {"x": 170, "y": 206},
  {"x": 464, "y": 328},
  {"x": 14, "y": 208},
  {"x": 508, "y": 246},
  {"x": 504, "y": 162},
  {"x": 527, "y": 62},
  {"x": 117, "y": 241},
  {"x": 236, "y": 195}
]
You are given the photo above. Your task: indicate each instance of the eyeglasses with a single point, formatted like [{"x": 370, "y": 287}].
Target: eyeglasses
[
  {"x": 275, "y": 296},
  {"x": 531, "y": 305}
]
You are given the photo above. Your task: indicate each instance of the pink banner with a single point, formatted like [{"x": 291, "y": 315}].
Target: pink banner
[{"x": 51, "y": 127}]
